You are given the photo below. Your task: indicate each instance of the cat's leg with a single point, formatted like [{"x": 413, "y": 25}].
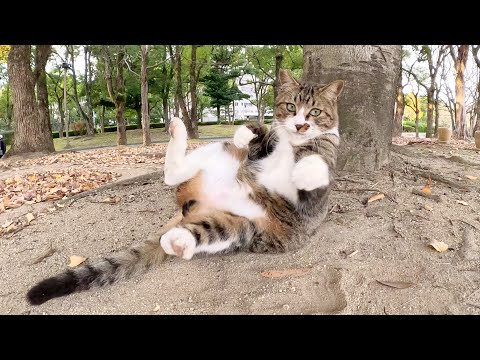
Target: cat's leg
[
  {"x": 215, "y": 232},
  {"x": 222, "y": 232},
  {"x": 179, "y": 167}
]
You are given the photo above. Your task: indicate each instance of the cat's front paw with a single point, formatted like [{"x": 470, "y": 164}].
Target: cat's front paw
[
  {"x": 243, "y": 136},
  {"x": 179, "y": 242},
  {"x": 310, "y": 173},
  {"x": 177, "y": 129}
]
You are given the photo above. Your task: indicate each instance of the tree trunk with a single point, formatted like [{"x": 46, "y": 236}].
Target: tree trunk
[
  {"x": 416, "y": 123},
  {"x": 460, "y": 111},
  {"x": 192, "y": 129},
  {"x": 218, "y": 115},
  {"x": 88, "y": 121},
  {"x": 144, "y": 79},
  {"x": 166, "y": 117},
  {"x": 399, "y": 110},
  {"x": 62, "y": 117},
  {"x": 42, "y": 52},
  {"x": 102, "y": 120},
  {"x": 116, "y": 90},
  {"x": 367, "y": 105},
  {"x": 138, "y": 110},
  {"x": 278, "y": 66},
  {"x": 437, "y": 113},
  {"x": 88, "y": 89},
  {"x": 31, "y": 132},
  {"x": 430, "y": 106}
]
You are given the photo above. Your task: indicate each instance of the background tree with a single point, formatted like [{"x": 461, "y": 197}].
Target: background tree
[
  {"x": 32, "y": 122},
  {"x": 145, "y": 110},
  {"x": 113, "y": 62},
  {"x": 366, "y": 107},
  {"x": 459, "y": 55},
  {"x": 476, "y": 57}
]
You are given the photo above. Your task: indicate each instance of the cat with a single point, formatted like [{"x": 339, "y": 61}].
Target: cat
[{"x": 257, "y": 193}]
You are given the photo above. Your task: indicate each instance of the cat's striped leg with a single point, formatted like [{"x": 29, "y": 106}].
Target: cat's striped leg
[{"x": 217, "y": 232}]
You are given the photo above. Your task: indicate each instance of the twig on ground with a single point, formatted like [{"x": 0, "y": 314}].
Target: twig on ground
[
  {"x": 49, "y": 253},
  {"x": 437, "y": 198}
]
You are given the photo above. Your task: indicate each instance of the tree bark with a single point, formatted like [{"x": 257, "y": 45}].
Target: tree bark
[
  {"x": 138, "y": 111},
  {"x": 166, "y": 118},
  {"x": 147, "y": 140},
  {"x": 32, "y": 134},
  {"x": 88, "y": 88},
  {"x": 85, "y": 117},
  {"x": 278, "y": 66},
  {"x": 42, "y": 53},
  {"x": 218, "y": 115},
  {"x": 62, "y": 117},
  {"x": 399, "y": 107},
  {"x": 116, "y": 89},
  {"x": 102, "y": 124},
  {"x": 190, "y": 118},
  {"x": 437, "y": 113},
  {"x": 460, "y": 60},
  {"x": 366, "y": 107}
]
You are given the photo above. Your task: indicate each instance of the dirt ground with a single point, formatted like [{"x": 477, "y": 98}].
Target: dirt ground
[{"x": 359, "y": 245}]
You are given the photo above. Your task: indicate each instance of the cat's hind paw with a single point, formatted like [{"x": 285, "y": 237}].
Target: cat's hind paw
[{"x": 179, "y": 242}]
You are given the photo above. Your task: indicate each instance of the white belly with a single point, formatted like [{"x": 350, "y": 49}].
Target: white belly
[
  {"x": 223, "y": 191},
  {"x": 276, "y": 171}
]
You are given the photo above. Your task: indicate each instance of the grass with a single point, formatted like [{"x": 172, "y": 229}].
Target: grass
[{"x": 135, "y": 137}]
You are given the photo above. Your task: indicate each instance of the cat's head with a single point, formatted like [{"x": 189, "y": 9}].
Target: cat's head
[{"x": 306, "y": 110}]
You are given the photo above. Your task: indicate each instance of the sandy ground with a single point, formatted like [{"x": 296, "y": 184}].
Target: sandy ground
[{"x": 338, "y": 272}]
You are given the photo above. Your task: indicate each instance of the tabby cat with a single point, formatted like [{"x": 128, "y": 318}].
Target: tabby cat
[{"x": 256, "y": 193}]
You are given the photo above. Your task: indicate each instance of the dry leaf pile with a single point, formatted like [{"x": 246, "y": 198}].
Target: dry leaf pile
[
  {"x": 154, "y": 154},
  {"x": 51, "y": 185}
]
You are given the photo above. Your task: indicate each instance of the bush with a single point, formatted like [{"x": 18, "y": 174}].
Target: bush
[{"x": 409, "y": 126}]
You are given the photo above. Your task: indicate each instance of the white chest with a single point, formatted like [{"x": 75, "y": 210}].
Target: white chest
[{"x": 276, "y": 171}]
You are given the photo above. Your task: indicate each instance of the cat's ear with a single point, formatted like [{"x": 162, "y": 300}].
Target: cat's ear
[
  {"x": 334, "y": 89},
  {"x": 284, "y": 78}
]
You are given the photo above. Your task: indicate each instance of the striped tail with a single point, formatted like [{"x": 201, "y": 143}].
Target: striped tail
[{"x": 106, "y": 271}]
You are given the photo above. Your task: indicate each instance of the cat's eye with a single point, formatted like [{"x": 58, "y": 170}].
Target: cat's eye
[
  {"x": 315, "y": 112},
  {"x": 291, "y": 107}
]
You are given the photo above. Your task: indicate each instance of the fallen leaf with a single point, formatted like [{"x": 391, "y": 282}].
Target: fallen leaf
[
  {"x": 427, "y": 207},
  {"x": 427, "y": 189},
  {"x": 396, "y": 284},
  {"x": 51, "y": 209},
  {"x": 462, "y": 202},
  {"x": 111, "y": 200},
  {"x": 376, "y": 197},
  {"x": 76, "y": 260},
  {"x": 30, "y": 217},
  {"x": 470, "y": 177},
  {"x": 156, "y": 308},
  {"x": 61, "y": 205},
  {"x": 49, "y": 252},
  {"x": 283, "y": 273},
  {"x": 7, "y": 224},
  {"x": 11, "y": 228},
  {"x": 438, "y": 245}
]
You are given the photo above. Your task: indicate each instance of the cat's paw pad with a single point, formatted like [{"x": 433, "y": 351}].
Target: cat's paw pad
[
  {"x": 177, "y": 128},
  {"x": 242, "y": 137},
  {"x": 310, "y": 173},
  {"x": 179, "y": 242}
]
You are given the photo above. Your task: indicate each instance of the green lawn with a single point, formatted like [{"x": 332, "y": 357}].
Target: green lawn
[{"x": 135, "y": 136}]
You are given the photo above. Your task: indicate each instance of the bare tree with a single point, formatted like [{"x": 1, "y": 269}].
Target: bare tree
[
  {"x": 190, "y": 116},
  {"x": 114, "y": 64},
  {"x": 476, "y": 57},
  {"x": 366, "y": 107},
  {"x": 88, "y": 119},
  {"x": 32, "y": 121},
  {"x": 144, "y": 83},
  {"x": 435, "y": 57},
  {"x": 459, "y": 55}
]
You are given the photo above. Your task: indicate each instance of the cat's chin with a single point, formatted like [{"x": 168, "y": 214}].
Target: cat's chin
[{"x": 298, "y": 139}]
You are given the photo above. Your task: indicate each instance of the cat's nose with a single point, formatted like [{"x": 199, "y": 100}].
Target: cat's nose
[{"x": 303, "y": 126}]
